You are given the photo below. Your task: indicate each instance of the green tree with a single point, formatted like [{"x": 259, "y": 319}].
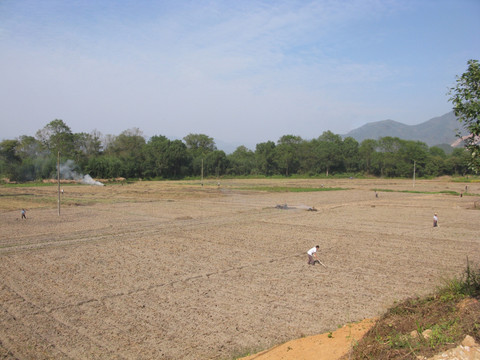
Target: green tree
[
  {"x": 56, "y": 137},
  {"x": 88, "y": 144},
  {"x": 435, "y": 166},
  {"x": 37, "y": 163},
  {"x": 437, "y": 151},
  {"x": 216, "y": 163},
  {"x": 178, "y": 159},
  {"x": 128, "y": 147},
  {"x": 30, "y": 147},
  {"x": 242, "y": 161},
  {"x": 458, "y": 161},
  {"x": 329, "y": 150},
  {"x": 411, "y": 153},
  {"x": 105, "y": 167},
  {"x": 466, "y": 105},
  {"x": 350, "y": 154},
  {"x": 156, "y": 161},
  {"x": 388, "y": 148},
  {"x": 9, "y": 160},
  {"x": 86, "y": 147},
  {"x": 165, "y": 158},
  {"x": 265, "y": 158},
  {"x": 199, "y": 146},
  {"x": 309, "y": 158},
  {"x": 366, "y": 151},
  {"x": 287, "y": 154}
]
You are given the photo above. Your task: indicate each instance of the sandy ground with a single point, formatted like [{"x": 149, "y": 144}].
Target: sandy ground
[
  {"x": 173, "y": 270},
  {"x": 329, "y": 346}
]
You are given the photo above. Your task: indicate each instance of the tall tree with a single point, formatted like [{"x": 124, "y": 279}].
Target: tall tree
[
  {"x": 350, "y": 154},
  {"x": 199, "y": 146},
  {"x": 9, "y": 160},
  {"x": 242, "y": 161},
  {"x": 458, "y": 161},
  {"x": 56, "y": 137},
  {"x": 287, "y": 156},
  {"x": 179, "y": 160},
  {"x": 308, "y": 158},
  {"x": 37, "y": 163},
  {"x": 216, "y": 163},
  {"x": 86, "y": 147},
  {"x": 155, "y": 151},
  {"x": 388, "y": 148},
  {"x": 105, "y": 167},
  {"x": 466, "y": 105},
  {"x": 128, "y": 147},
  {"x": 411, "y": 153},
  {"x": 330, "y": 145},
  {"x": 29, "y": 147},
  {"x": 89, "y": 144},
  {"x": 165, "y": 158},
  {"x": 265, "y": 158},
  {"x": 366, "y": 151}
]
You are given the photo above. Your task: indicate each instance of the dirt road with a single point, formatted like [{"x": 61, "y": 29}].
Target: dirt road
[{"x": 173, "y": 270}]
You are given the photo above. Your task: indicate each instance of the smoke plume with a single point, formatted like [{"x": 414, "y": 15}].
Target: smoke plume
[{"x": 68, "y": 172}]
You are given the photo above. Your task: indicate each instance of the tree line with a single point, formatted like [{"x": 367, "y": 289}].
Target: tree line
[{"x": 130, "y": 155}]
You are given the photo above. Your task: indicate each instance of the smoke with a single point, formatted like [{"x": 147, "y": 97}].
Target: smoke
[
  {"x": 87, "y": 179},
  {"x": 68, "y": 172}
]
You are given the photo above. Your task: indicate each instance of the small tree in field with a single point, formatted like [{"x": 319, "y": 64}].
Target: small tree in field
[{"x": 466, "y": 105}]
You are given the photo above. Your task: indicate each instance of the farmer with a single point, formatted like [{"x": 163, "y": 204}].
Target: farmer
[
  {"x": 435, "y": 220},
  {"x": 312, "y": 253},
  {"x": 24, "y": 214}
]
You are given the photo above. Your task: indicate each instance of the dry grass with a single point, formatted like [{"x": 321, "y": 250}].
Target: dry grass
[{"x": 424, "y": 326}]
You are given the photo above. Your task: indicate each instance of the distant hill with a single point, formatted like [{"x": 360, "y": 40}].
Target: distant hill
[{"x": 436, "y": 131}]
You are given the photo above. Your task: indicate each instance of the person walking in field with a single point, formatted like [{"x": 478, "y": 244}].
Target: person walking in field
[
  {"x": 312, "y": 253},
  {"x": 435, "y": 220},
  {"x": 24, "y": 214}
]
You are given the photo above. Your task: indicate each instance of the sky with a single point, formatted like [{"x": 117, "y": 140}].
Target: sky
[{"x": 240, "y": 71}]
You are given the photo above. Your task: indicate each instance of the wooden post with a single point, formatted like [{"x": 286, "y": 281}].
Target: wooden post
[
  {"x": 414, "y": 164},
  {"x": 58, "y": 179},
  {"x": 202, "y": 172}
]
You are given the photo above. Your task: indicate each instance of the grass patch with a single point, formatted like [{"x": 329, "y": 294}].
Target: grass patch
[
  {"x": 447, "y": 192},
  {"x": 426, "y": 326},
  {"x": 291, "y": 189},
  {"x": 28, "y": 184},
  {"x": 467, "y": 179}
]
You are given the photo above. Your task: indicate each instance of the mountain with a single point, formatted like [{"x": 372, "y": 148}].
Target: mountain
[{"x": 439, "y": 130}]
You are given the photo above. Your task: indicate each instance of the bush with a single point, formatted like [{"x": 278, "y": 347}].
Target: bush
[{"x": 450, "y": 314}]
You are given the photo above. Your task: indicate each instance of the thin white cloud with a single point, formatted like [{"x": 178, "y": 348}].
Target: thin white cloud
[{"x": 235, "y": 70}]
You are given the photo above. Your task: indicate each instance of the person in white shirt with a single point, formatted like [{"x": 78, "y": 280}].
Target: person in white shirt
[
  {"x": 435, "y": 220},
  {"x": 312, "y": 253}
]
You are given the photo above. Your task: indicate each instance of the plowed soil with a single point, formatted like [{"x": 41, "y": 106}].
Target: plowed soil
[{"x": 176, "y": 270}]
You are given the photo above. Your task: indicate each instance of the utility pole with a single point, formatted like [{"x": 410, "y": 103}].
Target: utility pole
[
  {"x": 58, "y": 180},
  {"x": 202, "y": 172},
  {"x": 414, "y": 165}
]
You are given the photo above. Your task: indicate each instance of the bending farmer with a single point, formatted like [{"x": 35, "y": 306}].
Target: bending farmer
[{"x": 312, "y": 253}]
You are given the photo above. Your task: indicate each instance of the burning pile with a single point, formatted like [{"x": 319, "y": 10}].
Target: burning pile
[{"x": 67, "y": 172}]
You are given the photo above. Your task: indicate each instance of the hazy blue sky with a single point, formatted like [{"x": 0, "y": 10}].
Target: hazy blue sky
[{"x": 242, "y": 72}]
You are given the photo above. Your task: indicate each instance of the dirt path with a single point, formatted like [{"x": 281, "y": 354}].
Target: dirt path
[
  {"x": 174, "y": 271},
  {"x": 328, "y": 346}
]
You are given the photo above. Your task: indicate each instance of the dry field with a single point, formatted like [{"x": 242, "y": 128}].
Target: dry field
[{"x": 174, "y": 270}]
